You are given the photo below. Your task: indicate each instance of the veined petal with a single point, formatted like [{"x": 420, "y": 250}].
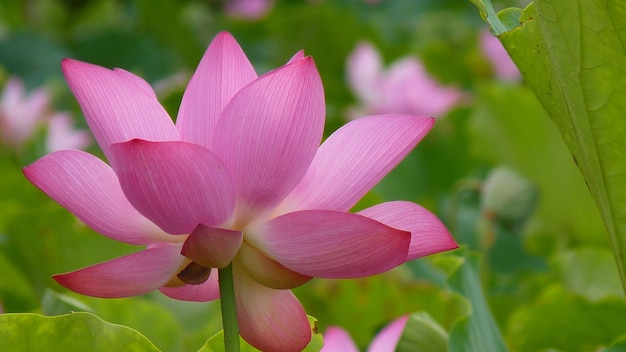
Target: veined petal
[
  {"x": 222, "y": 72},
  {"x": 117, "y": 108},
  {"x": 331, "y": 244},
  {"x": 135, "y": 79},
  {"x": 208, "y": 291},
  {"x": 177, "y": 185},
  {"x": 337, "y": 339},
  {"x": 268, "y": 135},
  {"x": 428, "y": 234},
  {"x": 212, "y": 247},
  {"x": 130, "y": 275},
  {"x": 269, "y": 320},
  {"x": 354, "y": 159},
  {"x": 387, "y": 339},
  {"x": 297, "y": 56},
  {"x": 89, "y": 188}
]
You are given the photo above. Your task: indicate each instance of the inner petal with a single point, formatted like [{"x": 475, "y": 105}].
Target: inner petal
[
  {"x": 267, "y": 271},
  {"x": 212, "y": 247}
]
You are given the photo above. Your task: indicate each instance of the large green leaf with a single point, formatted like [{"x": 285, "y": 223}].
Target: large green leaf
[
  {"x": 72, "y": 332},
  {"x": 572, "y": 54}
]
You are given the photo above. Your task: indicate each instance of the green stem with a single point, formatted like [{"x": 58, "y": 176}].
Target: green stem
[
  {"x": 229, "y": 310},
  {"x": 489, "y": 14}
]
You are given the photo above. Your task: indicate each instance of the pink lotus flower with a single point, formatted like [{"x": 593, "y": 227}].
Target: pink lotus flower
[
  {"x": 21, "y": 114},
  {"x": 62, "y": 134},
  {"x": 240, "y": 178},
  {"x": 337, "y": 339},
  {"x": 404, "y": 88},
  {"x": 503, "y": 66}
]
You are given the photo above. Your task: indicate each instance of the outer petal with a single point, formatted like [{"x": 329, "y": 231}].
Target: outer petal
[
  {"x": 270, "y": 320},
  {"x": 212, "y": 247},
  {"x": 208, "y": 291},
  {"x": 130, "y": 275},
  {"x": 222, "y": 72},
  {"x": 297, "y": 56},
  {"x": 116, "y": 107},
  {"x": 387, "y": 339},
  {"x": 332, "y": 244},
  {"x": 337, "y": 339},
  {"x": 89, "y": 189},
  {"x": 177, "y": 185},
  {"x": 354, "y": 158},
  {"x": 428, "y": 234},
  {"x": 268, "y": 135}
]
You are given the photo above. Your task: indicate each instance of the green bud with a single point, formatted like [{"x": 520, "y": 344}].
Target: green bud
[{"x": 507, "y": 197}]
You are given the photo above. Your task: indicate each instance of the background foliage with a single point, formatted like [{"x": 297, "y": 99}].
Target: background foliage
[{"x": 544, "y": 279}]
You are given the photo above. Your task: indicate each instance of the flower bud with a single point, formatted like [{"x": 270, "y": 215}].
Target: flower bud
[{"x": 507, "y": 197}]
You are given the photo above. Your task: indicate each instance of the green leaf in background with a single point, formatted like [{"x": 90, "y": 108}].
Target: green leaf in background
[
  {"x": 72, "y": 332},
  {"x": 572, "y": 55},
  {"x": 590, "y": 271},
  {"x": 216, "y": 342},
  {"x": 617, "y": 346},
  {"x": 566, "y": 321},
  {"x": 364, "y": 306},
  {"x": 422, "y": 333},
  {"x": 16, "y": 294},
  {"x": 478, "y": 331}
]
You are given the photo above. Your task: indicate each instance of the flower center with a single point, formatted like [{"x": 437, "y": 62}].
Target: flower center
[{"x": 190, "y": 273}]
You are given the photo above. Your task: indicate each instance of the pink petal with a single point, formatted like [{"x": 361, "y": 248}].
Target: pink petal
[
  {"x": 267, "y": 271},
  {"x": 331, "y": 244},
  {"x": 177, "y": 185},
  {"x": 269, "y": 320},
  {"x": 62, "y": 134},
  {"x": 388, "y": 338},
  {"x": 364, "y": 68},
  {"x": 116, "y": 107},
  {"x": 409, "y": 88},
  {"x": 268, "y": 134},
  {"x": 212, "y": 247},
  {"x": 428, "y": 234},
  {"x": 222, "y": 72},
  {"x": 140, "y": 82},
  {"x": 297, "y": 56},
  {"x": 89, "y": 189},
  {"x": 337, "y": 339},
  {"x": 208, "y": 291},
  {"x": 130, "y": 275},
  {"x": 354, "y": 159}
]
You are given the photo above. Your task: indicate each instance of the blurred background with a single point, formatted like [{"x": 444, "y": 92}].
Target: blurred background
[{"x": 494, "y": 168}]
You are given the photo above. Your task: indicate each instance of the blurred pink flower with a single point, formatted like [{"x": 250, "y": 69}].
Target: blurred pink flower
[
  {"x": 241, "y": 177},
  {"x": 62, "y": 134},
  {"x": 503, "y": 66},
  {"x": 21, "y": 114},
  {"x": 338, "y": 340},
  {"x": 250, "y": 9},
  {"x": 404, "y": 88}
]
